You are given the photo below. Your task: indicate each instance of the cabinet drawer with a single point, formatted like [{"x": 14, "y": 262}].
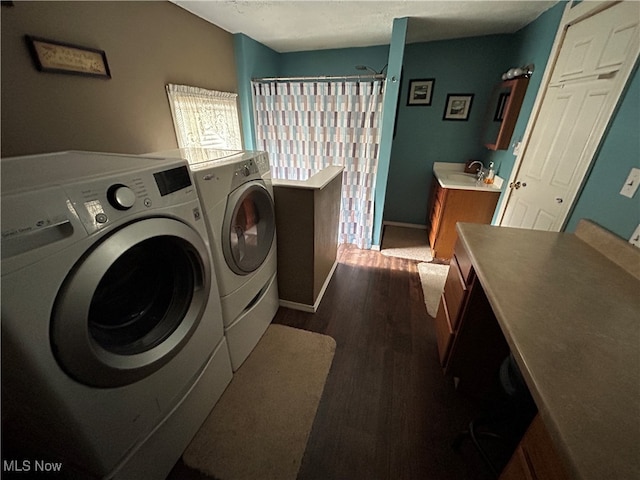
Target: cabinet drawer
[
  {"x": 535, "y": 458},
  {"x": 455, "y": 292},
  {"x": 464, "y": 262},
  {"x": 541, "y": 458},
  {"x": 517, "y": 468},
  {"x": 444, "y": 333}
]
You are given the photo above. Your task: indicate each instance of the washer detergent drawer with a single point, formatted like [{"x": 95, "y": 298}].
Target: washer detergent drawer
[{"x": 38, "y": 224}]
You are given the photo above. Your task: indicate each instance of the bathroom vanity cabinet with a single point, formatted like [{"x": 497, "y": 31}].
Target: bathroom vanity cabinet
[{"x": 447, "y": 206}]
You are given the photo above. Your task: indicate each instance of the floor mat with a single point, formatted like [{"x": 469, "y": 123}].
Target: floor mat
[
  {"x": 432, "y": 278},
  {"x": 405, "y": 242},
  {"x": 259, "y": 428}
]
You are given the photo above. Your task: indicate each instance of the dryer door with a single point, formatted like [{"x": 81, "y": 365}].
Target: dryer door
[
  {"x": 249, "y": 227},
  {"x": 131, "y": 303}
]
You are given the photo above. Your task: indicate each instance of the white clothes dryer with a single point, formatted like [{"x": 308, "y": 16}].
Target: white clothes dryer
[
  {"x": 237, "y": 196},
  {"x": 113, "y": 352}
]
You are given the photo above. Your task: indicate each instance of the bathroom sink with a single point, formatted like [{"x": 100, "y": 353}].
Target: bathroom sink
[
  {"x": 461, "y": 177},
  {"x": 451, "y": 175}
]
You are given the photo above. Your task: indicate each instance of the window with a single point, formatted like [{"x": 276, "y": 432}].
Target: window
[{"x": 204, "y": 118}]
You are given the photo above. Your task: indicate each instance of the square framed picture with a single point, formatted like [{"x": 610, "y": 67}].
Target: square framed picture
[
  {"x": 458, "y": 106},
  {"x": 420, "y": 92}
]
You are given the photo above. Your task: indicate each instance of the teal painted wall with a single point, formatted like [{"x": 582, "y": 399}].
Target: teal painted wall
[
  {"x": 340, "y": 61},
  {"x": 462, "y": 66},
  {"x": 600, "y": 199},
  {"x": 532, "y": 45},
  {"x": 253, "y": 60},
  {"x": 394, "y": 77}
]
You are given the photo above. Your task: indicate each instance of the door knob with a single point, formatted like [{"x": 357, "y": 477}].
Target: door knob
[
  {"x": 559, "y": 200},
  {"x": 517, "y": 185}
]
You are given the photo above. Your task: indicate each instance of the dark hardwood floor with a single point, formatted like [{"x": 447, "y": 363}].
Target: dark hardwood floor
[{"x": 387, "y": 411}]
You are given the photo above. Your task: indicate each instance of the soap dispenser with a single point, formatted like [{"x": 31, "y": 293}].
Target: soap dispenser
[{"x": 490, "y": 175}]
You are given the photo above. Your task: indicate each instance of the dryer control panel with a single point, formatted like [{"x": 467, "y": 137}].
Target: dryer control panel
[
  {"x": 249, "y": 170},
  {"x": 51, "y": 201},
  {"x": 101, "y": 202}
]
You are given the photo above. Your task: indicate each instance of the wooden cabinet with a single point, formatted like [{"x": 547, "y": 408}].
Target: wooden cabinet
[
  {"x": 465, "y": 325},
  {"x": 451, "y": 303},
  {"x": 471, "y": 348},
  {"x": 448, "y": 206},
  {"x": 535, "y": 457},
  {"x": 504, "y": 109}
]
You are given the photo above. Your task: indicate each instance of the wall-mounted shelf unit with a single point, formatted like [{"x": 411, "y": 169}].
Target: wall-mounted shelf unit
[{"x": 504, "y": 109}]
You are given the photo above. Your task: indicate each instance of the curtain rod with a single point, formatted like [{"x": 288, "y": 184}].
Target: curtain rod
[{"x": 378, "y": 76}]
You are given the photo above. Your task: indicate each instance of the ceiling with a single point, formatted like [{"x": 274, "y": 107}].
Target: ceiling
[{"x": 300, "y": 25}]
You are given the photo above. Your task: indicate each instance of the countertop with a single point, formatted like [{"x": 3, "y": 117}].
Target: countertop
[
  {"x": 571, "y": 318},
  {"x": 443, "y": 172},
  {"x": 317, "y": 181}
]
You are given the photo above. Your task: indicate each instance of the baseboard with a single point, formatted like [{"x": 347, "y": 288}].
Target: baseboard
[
  {"x": 325, "y": 285},
  {"x": 303, "y": 307},
  {"x": 406, "y": 225},
  {"x": 311, "y": 308}
]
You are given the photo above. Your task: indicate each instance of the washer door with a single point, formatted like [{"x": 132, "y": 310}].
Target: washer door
[
  {"x": 249, "y": 227},
  {"x": 131, "y": 303}
]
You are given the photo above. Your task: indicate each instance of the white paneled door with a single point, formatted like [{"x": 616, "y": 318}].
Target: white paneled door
[{"x": 595, "y": 59}]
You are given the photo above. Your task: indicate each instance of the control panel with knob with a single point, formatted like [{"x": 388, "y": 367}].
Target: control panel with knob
[
  {"x": 245, "y": 172},
  {"x": 121, "y": 197}
]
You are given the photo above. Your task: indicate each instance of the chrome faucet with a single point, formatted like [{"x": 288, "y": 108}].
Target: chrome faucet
[{"x": 480, "y": 172}]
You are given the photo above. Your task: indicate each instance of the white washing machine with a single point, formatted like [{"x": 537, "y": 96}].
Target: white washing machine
[
  {"x": 113, "y": 352},
  {"x": 237, "y": 196}
]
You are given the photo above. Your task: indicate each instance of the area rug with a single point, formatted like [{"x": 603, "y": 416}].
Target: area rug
[
  {"x": 432, "y": 278},
  {"x": 259, "y": 428},
  {"x": 405, "y": 242}
]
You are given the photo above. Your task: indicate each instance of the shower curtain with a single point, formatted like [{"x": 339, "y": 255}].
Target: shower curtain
[{"x": 307, "y": 126}]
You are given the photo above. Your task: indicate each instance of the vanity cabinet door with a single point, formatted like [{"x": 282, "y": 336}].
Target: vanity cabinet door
[
  {"x": 535, "y": 457},
  {"x": 436, "y": 202},
  {"x": 449, "y": 206}
]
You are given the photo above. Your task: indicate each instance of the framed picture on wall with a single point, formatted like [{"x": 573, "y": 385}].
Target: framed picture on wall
[
  {"x": 61, "y": 57},
  {"x": 458, "y": 106},
  {"x": 420, "y": 92}
]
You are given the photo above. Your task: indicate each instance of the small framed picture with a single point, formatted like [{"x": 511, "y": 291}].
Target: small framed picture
[
  {"x": 420, "y": 92},
  {"x": 458, "y": 106},
  {"x": 61, "y": 57}
]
